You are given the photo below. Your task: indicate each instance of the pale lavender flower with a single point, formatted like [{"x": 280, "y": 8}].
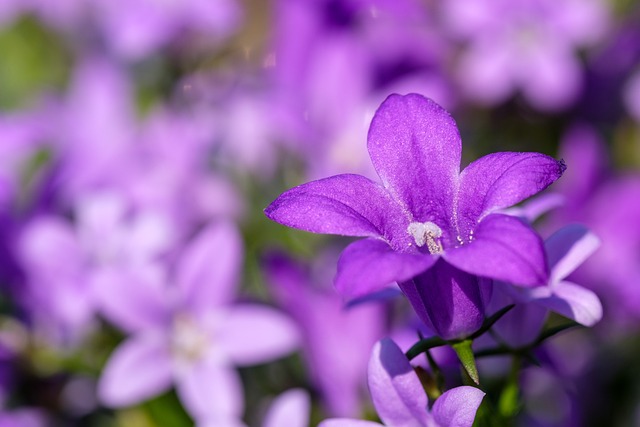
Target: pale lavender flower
[
  {"x": 62, "y": 261},
  {"x": 400, "y": 399},
  {"x": 566, "y": 250},
  {"x": 138, "y": 28},
  {"x": 426, "y": 210},
  {"x": 292, "y": 409},
  {"x": 190, "y": 334},
  {"x": 524, "y": 45},
  {"x": 632, "y": 96},
  {"x": 336, "y": 340}
]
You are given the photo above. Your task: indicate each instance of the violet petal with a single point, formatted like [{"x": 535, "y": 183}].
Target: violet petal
[
  {"x": 574, "y": 302},
  {"x": 503, "y": 248},
  {"x": 370, "y": 265},
  {"x": 292, "y": 409},
  {"x": 208, "y": 268},
  {"x": 210, "y": 390},
  {"x": 500, "y": 180},
  {"x": 395, "y": 389},
  {"x": 567, "y": 248},
  {"x": 457, "y": 407},
  {"x": 138, "y": 369},
  {"x": 415, "y": 147},
  {"x": 349, "y": 205},
  {"x": 253, "y": 334}
]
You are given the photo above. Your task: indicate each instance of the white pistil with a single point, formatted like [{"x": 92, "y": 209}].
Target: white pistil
[{"x": 426, "y": 233}]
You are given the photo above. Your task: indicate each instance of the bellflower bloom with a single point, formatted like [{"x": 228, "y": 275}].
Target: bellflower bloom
[
  {"x": 400, "y": 400},
  {"x": 425, "y": 210},
  {"x": 190, "y": 335},
  {"x": 566, "y": 249},
  {"x": 337, "y": 340}
]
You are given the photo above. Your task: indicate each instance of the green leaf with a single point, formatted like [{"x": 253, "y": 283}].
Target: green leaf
[{"x": 465, "y": 354}]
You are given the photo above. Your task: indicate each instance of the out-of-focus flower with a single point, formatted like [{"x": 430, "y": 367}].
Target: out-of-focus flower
[
  {"x": 425, "y": 210},
  {"x": 337, "y": 340},
  {"x": 608, "y": 205},
  {"x": 190, "y": 334},
  {"x": 333, "y": 62},
  {"x": 24, "y": 417},
  {"x": 632, "y": 96},
  {"x": 134, "y": 29},
  {"x": 566, "y": 250},
  {"x": 524, "y": 45},
  {"x": 400, "y": 400},
  {"x": 62, "y": 261}
]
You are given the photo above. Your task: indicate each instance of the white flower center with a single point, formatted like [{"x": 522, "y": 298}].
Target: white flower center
[
  {"x": 426, "y": 233},
  {"x": 189, "y": 342}
]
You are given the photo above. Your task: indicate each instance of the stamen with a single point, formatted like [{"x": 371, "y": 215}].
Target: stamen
[{"x": 426, "y": 233}]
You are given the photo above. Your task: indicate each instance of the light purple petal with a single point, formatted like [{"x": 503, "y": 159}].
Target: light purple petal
[
  {"x": 130, "y": 300},
  {"x": 369, "y": 265},
  {"x": 210, "y": 390},
  {"x": 291, "y": 409},
  {"x": 349, "y": 205},
  {"x": 567, "y": 248},
  {"x": 254, "y": 334},
  {"x": 500, "y": 180},
  {"x": 503, "y": 248},
  {"x": 209, "y": 267},
  {"x": 415, "y": 147},
  {"x": 395, "y": 389},
  {"x": 536, "y": 207},
  {"x": 457, "y": 407},
  {"x": 139, "y": 369},
  {"x": 345, "y": 422},
  {"x": 574, "y": 302}
]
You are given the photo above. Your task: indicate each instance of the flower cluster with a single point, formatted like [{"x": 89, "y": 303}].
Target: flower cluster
[{"x": 240, "y": 213}]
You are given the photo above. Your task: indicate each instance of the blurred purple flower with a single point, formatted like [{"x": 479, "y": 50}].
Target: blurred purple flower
[
  {"x": 525, "y": 45},
  {"x": 400, "y": 400},
  {"x": 608, "y": 204},
  {"x": 425, "y": 208},
  {"x": 24, "y": 417},
  {"x": 190, "y": 334},
  {"x": 566, "y": 250},
  {"x": 138, "y": 28},
  {"x": 62, "y": 261},
  {"x": 333, "y": 62},
  {"x": 336, "y": 340}
]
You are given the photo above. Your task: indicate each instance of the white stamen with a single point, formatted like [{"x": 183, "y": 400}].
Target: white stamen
[{"x": 426, "y": 233}]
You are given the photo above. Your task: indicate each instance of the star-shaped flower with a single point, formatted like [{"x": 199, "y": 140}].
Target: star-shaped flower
[{"x": 425, "y": 209}]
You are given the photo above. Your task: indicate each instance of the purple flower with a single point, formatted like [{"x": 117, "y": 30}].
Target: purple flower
[
  {"x": 426, "y": 209},
  {"x": 400, "y": 400},
  {"x": 337, "y": 340},
  {"x": 524, "y": 45},
  {"x": 566, "y": 249},
  {"x": 190, "y": 335}
]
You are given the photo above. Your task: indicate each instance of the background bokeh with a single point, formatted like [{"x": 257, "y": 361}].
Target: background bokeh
[{"x": 140, "y": 141}]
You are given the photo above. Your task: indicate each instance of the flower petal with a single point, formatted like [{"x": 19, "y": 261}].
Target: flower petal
[
  {"x": 292, "y": 409},
  {"x": 457, "y": 407},
  {"x": 349, "y": 205},
  {"x": 138, "y": 369},
  {"x": 567, "y": 248},
  {"x": 500, "y": 180},
  {"x": 574, "y": 302},
  {"x": 415, "y": 147},
  {"x": 210, "y": 391},
  {"x": 253, "y": 334},
  {"x": 369, "y": 265},
  {"x": 130, "y": 300},
  {"x": 503, "y": 248},
  {"x": 449, "y": 301},
  {"x": 209, "y": 267},
  {"x": 395, "y": 389}
]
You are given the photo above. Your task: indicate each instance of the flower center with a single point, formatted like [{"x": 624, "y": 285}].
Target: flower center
[
  {"x": 426, "y": 233},
  {"x": 189, "y": 342}
]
